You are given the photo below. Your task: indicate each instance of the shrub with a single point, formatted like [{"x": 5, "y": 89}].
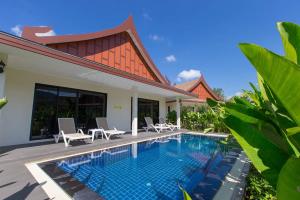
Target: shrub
[
  {"x": 172, "y": 117},
  {"x": 257, "y": 187},
  {"x": 203, "y": 119}
]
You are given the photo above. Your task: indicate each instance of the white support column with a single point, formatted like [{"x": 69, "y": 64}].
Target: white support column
[
  {"x": 134, "y": 114},
  {"x": 3, "y": 76},
  {"x": 178, "y": 112}
]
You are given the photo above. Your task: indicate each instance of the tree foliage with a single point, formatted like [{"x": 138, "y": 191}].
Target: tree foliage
[{"x": 219, "y": 92}]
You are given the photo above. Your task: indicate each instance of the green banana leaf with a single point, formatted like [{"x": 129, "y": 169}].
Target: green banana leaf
[
  {"x": 290, "y": 35},
  {"x": 258, "y": 148},
  {"x": 246, "y": 113},
  {"x": 262, "y": 88},
  {"x": 212, "y": 103},
  {"x": 258, "y": 94},
  {"x": 243, "y": 101},
  {"x": 281, "y": 75},
  {"x": 186, "y": 195},
  {"x": 293, "y": 131},
  {"x": 271, "y": 102},
  {"x": 3, "y": 102},
  {"x": 288, "y": 186}
]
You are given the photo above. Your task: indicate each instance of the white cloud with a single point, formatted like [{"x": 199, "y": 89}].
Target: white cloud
[
  {"x": 147, "y": 16},
  {"x": 238, "y": 94},
  {"x": 49, "y": 33},
  {"x": 170, "y": 58},
  {"x": 155, "y": 37},
  {"x": 235, "y": 94},
  {"x": 17, "y": 30},
  {"x": 187, "y": 75}
]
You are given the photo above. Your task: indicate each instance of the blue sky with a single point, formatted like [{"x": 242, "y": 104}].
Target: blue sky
[{"x": 179, "y": 35}]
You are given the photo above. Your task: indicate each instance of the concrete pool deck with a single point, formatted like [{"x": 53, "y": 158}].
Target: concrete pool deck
[{"x": 18, "y": 183}]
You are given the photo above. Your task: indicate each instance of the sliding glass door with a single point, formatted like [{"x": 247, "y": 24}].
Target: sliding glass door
[
  {"x": 90, "y": 106},
  {"x": 147, "y": 108},
  {"x": 52, "y": 102},
  {"x": 44, "y": 113},
  {"x": 66, "y": 104}
]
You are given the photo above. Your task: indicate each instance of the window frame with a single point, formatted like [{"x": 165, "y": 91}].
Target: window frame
[
  {"x": 57, "y": 103},
  {"x": 152, "y": 101}
]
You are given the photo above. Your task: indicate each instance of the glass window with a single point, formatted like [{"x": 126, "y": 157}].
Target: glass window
[
  {"x": 147, "y": 108},
  {"x": 66, "y": 103},
  {"x": 44, "y": 112},
  {"x": 51, "y": 102},
  {"x": 90, "y": 106}
]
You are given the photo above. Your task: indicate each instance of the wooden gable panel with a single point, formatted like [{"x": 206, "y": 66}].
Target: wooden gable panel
[
  {"x": 202, "y": 92},
  {"x": 98, "y": 50},
  {"x": 116, "y": 51}
]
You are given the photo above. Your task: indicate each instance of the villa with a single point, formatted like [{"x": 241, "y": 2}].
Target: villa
[
  {"x": 107, "y": 75},
  {"x": 104, "y": 74}
]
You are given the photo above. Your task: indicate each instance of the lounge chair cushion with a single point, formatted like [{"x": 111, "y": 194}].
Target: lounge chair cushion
[
  {"x": 77, "y": 136},
  {"x": 102, "y": 123},
  {"x": 114, "y": 132},
  {"x": 67, "y": 125}
]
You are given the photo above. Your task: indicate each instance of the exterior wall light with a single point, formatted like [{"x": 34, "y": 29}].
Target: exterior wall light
[{"x": 2, "y": 65}]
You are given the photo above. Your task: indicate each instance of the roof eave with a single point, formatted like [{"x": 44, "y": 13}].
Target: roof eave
[{"x": 21, "y": 43}]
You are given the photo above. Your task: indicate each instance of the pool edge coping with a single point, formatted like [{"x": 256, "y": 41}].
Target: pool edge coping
[
  {"x": 50, "y": 187},
  {"x": 234, "y": 183}
]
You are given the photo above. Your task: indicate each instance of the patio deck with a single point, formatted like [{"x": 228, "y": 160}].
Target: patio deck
[{"x": 18, "y": 183}]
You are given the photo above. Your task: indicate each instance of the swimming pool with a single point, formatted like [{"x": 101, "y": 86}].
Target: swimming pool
[{"x": 147, "y": 170}]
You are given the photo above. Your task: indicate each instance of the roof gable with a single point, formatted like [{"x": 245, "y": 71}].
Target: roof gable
[
  {"x": 200, "y": 88},
  {"x": 119, "y": 47}
]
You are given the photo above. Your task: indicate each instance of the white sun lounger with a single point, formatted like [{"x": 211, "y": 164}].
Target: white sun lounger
[
  {"x": 172, "y": 126},
  {"x": 103, "y": 127},
  {"x": 68, "y": 132},
  {"x": 157, "y": 127}
]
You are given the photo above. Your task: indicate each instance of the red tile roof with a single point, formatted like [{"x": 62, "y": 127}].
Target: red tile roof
[{"x": 190, "y": 86}]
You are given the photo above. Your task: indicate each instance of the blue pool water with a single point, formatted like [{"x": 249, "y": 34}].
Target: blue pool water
[{"x": 153, "y": 169}]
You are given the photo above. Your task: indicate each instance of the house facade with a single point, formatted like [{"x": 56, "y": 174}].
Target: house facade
[
  {"x": 102, "y": 74},
  {"x": 198, "y": 87}
]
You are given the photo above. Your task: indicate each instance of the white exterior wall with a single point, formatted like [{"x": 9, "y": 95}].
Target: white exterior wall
[
  {"x": 172, "y": 106},
  {"x": 19, "y": 90}
]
